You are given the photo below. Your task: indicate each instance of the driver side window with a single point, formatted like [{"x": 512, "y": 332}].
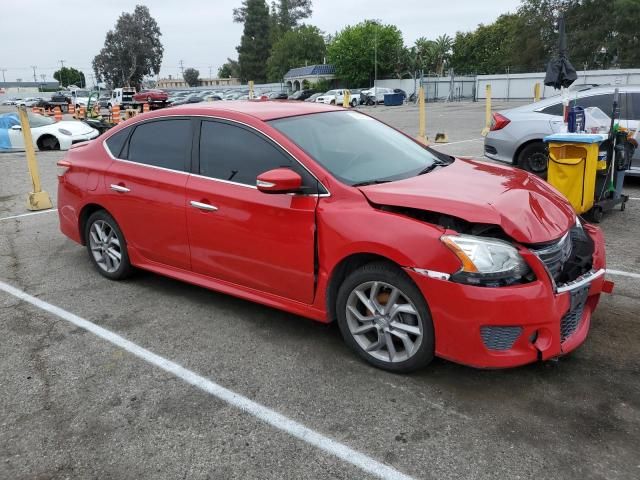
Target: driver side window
[{"x": 236, "y": 154}]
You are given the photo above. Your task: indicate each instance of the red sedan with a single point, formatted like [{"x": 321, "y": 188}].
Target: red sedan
[{"x": 413, "y": 253}]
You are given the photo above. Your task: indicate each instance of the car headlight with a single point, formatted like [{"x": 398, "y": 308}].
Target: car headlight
[
  {"x": 64, "y": 132},
  {"x": 487, "y": 261}
]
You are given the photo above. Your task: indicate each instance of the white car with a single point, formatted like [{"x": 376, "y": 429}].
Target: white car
[
  {"x": 377, "y": 92},
  {"x": 334, "y": 97},
  {"x": 47, "y": 134}
]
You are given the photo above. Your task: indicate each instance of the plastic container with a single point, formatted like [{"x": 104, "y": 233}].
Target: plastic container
[
  {"x": 573, "y": 164},
  {"x": 393, "y": 99}
]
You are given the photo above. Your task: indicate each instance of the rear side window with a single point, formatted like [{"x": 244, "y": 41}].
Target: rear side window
[
  {"x": 603, "y": 102},
  {"x": 164, "y": 143},
  {"x": 117, "y": 141}
]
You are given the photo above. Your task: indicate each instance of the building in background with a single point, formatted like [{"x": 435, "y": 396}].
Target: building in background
[
  {"x": 313, "y": 74},
  {"x": 202, "y": 82}
]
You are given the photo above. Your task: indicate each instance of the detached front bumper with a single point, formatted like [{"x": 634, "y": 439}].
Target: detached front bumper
[{"x": 511, "y": 326}]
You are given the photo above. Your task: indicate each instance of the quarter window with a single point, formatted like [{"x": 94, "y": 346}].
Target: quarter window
[
  {"x": 164, "y": 143},
  {"x": 229, "y": 152},
  {"x": 117, "y": 141}
]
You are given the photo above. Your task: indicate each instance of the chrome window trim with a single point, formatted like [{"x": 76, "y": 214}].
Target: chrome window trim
[{"x": 216, "y": 117}]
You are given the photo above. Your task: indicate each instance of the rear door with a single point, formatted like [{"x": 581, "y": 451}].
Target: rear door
[
  {"x": 146, "y": 189},
  {"x": 239, "y": 234}
]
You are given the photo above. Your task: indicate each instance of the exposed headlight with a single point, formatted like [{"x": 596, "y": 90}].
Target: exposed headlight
[
  {"x": 578, "y": 222},
  {"x": 486, "y": 261},
  {"x": 64, "y": 132}
]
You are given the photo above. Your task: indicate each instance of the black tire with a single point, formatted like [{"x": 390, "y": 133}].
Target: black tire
[
  {"x": 354, "y": 103},
  {"x": 390, "y": 275},
  {"x": 333, "y": 102},
  {"x": 124, "y": 269},
  {"x": 534, "y": 158},
  {"x": 596, "y": 214}
]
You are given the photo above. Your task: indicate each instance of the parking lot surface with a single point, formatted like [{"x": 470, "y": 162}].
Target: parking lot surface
[{"x": 75, "y": 405}]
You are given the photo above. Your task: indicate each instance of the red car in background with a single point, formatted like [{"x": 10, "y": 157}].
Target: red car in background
[
  {"x": 155, "y": 98},
  {"x": 413, "y": 253}
]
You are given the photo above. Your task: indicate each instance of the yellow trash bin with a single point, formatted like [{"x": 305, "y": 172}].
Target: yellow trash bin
[{"x": 573, "y": 164}]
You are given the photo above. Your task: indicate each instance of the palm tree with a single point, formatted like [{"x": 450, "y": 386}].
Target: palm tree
[
  {"x": 442, "y": 47},
  {"x": 425, "y": 54}
]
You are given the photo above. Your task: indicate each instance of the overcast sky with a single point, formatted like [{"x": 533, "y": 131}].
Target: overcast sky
[{"x": 199, "y": 32}]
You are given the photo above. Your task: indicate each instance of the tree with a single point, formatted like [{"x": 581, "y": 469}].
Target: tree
[
  {"x": 288, "y": 13},
  {"x": 489, "y": 49},
  {"x": 442, "y": 51},
  {"x": 230, "y": 69},
  {"x": 352, "y": 52},
  {"x": 70, "y": 76},
  {"x": 254, "y": 46},
  {"x": 191, "y": 76},
  {"x": 301, "y": 46},
  {"x": 131, "y": 50}
]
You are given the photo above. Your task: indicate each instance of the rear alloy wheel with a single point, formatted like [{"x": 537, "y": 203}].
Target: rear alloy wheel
[
  {"x": 534, "y": 158},
  {"x": 107, "y": 247},
  {"x": 354, "y": 103},
  {"x": 383, "y": 316}
]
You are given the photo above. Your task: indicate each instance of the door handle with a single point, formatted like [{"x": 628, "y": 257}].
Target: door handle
[
  {"x": 119, "y": 188},
  {"x": 203, "y": 206}
]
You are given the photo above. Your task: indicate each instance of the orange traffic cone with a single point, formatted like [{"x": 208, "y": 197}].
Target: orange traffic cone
[
  {"x": 82, "y": 113},
  {"x": 57, "y": 114},
  {"x": 115, "y": 114},
  {"x": 34, "y": 109},
  {"x": 71, "y": 109},
  {"x": 145, "y": 108}
]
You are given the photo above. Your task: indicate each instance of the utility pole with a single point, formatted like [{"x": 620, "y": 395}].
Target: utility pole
[
  {"x": 61, "y": 72},
  {"x": 43, "y": 77},
  {"x": 375, "y": 67},
  {"x": 35, "y": 77},
  {"x": 182, "y": 68},
  {"x": 3, "y": 70},
  {"x": 210, "y": 68}
]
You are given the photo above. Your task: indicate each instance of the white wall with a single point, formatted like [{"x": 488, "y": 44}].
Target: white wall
[
  {"x": 435, "y": 87},
  {"x": 519, "y": 86}
]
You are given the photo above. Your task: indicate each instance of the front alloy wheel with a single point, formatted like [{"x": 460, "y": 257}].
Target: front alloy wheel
[
  {"x": 383, "y": 316},
  {"x": 384, "y": 322}
]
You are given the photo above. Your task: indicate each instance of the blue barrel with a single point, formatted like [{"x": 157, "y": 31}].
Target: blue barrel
[{"x": 393, "y": 99}]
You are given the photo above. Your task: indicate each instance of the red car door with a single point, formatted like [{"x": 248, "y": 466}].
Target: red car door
[
  {"x": 239, "y": 234},
  {"x": 146, "y": 190}
]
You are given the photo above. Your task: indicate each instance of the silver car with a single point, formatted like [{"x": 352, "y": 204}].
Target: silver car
[{"x": 516, "y": 134}]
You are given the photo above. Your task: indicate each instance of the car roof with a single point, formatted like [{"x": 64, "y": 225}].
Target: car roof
[
  {"x": 263, "y": 110},
  {"x": 580, "y": 90}
]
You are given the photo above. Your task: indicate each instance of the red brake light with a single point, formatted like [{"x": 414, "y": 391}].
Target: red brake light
[{"x": 498, "y": 122}]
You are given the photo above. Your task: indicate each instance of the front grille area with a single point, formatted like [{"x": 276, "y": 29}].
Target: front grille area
[
  {"x": 499, "y": 338},
  {"x": 570, "y": 322},
  {"x": 568, "y": 258},
  {"x": 555, "y": 255}
]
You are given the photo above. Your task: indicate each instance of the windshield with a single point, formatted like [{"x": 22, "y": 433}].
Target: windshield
[
  {"x": 355, "y": 148},
  {"x": 39, "y": 121},
  {"x": 82, "y": 93}
]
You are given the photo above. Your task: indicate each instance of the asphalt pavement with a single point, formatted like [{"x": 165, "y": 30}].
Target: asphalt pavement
[{"x": 79, "y": 403}]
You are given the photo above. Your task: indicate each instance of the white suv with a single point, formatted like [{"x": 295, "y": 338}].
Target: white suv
[{"x": 332, "y": 97}]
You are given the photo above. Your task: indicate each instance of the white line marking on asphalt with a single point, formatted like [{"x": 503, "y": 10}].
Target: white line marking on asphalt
[
  {"x": 623, "y": 274},
  {"x": 634, "y": 198},
  {"x": 29, "y": 214},
  {"x": 459, "y": 141},
  {"x": 273, "y": 418}
]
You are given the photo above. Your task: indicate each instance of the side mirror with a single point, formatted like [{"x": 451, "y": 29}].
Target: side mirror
[
  {"x": 279, "y": 180},
  {"x": 16, "y": 127}
]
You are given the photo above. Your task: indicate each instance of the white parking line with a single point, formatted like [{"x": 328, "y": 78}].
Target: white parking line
[
  {"x": 623, "y": 274},
  {"x": 460, "y": 141},
  {"x": 271, "y": 417},
  {"x": 29, "y": 214}
]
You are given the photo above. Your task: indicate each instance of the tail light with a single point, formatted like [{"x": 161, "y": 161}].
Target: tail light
[
  {"x": 498, "y": 122},
  {"x": 63, "y": 167}
]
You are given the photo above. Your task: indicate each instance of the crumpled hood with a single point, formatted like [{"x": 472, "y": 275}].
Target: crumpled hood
[{"x": 526, "y": 208}]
